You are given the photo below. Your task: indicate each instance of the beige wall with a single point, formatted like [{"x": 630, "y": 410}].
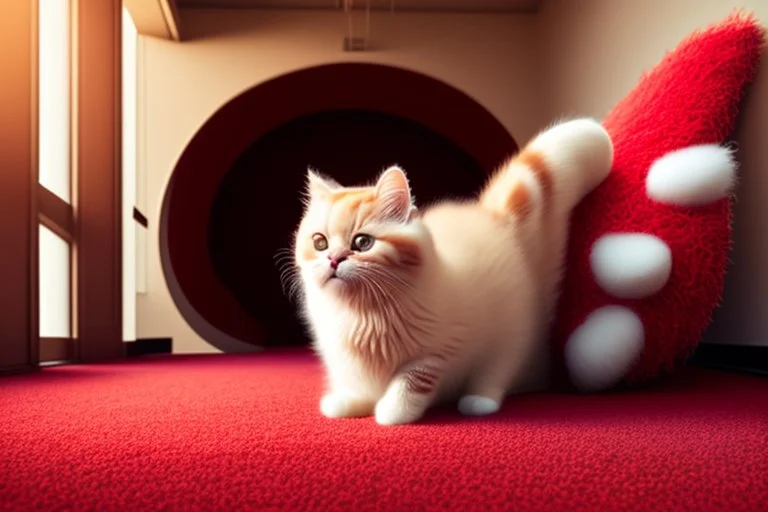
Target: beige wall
[
  {"x": 490, "y": 57},
  {"x": 595, "y": 52},
  {"x": 591, "y": 52}
]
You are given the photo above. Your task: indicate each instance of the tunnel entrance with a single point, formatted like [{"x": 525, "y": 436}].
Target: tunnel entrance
[
  {"x": 257, "y": 206},
  {"x": 232, "y": 199}
]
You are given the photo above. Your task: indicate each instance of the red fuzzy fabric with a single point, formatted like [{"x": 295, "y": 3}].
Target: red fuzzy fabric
[
  {"x": 243, "y": 432},
  {"x": 691, "y": 97}
]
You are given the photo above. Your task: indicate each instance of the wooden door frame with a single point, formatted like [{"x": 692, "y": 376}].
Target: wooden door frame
[
  {"x": 92, "y": 222},
  {"x": 18, "y": 158},
  {"x": 97, "y": 124}
]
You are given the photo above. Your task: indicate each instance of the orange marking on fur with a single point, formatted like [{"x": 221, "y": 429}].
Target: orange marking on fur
[
  {"x": 350, "y": 201},
  {"x": 355, "y": 204},
  {"x": 519, "y": 201},
  {"x": 499, "y": 215},
  {"x": 420, "y": 381},
  {"x": 354, "y": 192},
  {"x": 353, "y": 200},
  {"x": 535, "y": 161},
  {"x": 306, "y": 252},
  {"x": 408, "y": 250}
]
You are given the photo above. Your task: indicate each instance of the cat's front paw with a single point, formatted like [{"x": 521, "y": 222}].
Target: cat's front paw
[
  {"x": 336, "y": 405},
  {"x": 391, "y": 411}
]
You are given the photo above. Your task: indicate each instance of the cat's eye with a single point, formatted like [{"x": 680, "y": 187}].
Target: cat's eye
[
  {"x": 362, "y": 242},
  {"x": 320, "y": 242}
]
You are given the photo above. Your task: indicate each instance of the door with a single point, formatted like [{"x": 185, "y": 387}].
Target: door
[{"x": 61, "y": 183}]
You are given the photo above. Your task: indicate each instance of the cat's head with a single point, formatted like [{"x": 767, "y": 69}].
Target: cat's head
[{"x": 359, "y": 241}]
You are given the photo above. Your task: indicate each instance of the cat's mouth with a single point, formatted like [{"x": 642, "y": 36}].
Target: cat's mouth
[
  {"x": 335, "y": 279},
  {"x": 333, "y": 276}
]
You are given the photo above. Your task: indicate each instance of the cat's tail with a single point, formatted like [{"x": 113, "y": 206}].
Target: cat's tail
[{"x": 552, "y": 173}]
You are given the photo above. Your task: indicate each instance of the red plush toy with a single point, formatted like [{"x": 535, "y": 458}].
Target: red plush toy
[{"x": 649, "y": 247}]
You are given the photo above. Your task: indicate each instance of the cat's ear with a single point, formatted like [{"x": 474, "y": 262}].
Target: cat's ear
[
  {"x": 393, "y": 196},
  {"x": 319, "y": 186}
]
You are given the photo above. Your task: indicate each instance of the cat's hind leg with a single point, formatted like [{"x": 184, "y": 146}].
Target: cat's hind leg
[
  {"x": 411, "y": 392},
  {"x": 486, "y": 388},
  {"x": 513, "y": 367}
]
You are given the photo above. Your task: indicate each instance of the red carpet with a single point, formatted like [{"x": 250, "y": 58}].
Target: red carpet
[{"x": 244, "y": 433}]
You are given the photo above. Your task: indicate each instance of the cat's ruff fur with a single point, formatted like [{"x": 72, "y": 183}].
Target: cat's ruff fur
[{"x": 450, "y": 302}]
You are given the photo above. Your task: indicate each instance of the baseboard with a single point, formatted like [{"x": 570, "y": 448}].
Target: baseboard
[
  {"x": 740, "y": 358},
  {"x": 147, "y": 346},
  {"x": 16, "y": 369}
]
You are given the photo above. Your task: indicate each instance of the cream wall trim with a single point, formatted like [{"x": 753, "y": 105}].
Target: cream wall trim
[{"x": 156, "y": 18}]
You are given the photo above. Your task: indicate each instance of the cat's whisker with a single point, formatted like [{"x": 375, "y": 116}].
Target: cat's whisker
[
  {"x": 289, "y": 273},
  {"x": 391, "y": 280},
  {"x": 284, "y": 253},
  {"x": 378, "y": 291}
]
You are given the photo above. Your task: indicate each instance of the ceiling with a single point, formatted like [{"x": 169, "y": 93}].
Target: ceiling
[{"x": 510, "y": 6}]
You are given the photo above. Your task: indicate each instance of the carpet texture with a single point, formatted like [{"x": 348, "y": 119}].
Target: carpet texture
[{"x": 243, "y": 432}]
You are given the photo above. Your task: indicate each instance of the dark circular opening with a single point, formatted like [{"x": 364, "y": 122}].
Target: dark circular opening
[
  {"x": 257, "y": 206},
  {"x": 206, "y": 233}
]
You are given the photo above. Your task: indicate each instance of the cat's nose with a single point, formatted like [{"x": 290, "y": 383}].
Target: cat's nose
[
  {"x": 337, "y": 257},
  {"x": 335, "y": 261}
]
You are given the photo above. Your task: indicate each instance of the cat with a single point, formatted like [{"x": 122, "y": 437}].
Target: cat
[{"x": 409, "y": 308}]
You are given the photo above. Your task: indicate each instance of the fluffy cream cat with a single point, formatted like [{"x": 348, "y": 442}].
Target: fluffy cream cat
[{"x": 408, "y": 308}]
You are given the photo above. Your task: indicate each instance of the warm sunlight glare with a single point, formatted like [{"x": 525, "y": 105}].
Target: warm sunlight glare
[{"x": 54, "y": 87}]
